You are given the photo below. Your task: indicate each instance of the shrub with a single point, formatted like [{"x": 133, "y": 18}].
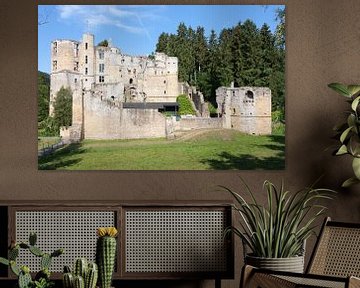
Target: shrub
[{"x": 185, "y": 107}]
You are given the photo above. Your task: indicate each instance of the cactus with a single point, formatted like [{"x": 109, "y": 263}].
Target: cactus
[
  {"x": 45, "y": 261},
  {"x": 68, "y": 280},
  {"x": 87, "y": 272},
  {"x": 32, "y": 239},
  {"x": 91, "y": 276},
  {"x": 36, "y": 251},
  {"x": 105, "y": 255},
  {"x": 13, "y": 253},
  {"x": 79, "y": 282},
  {"x": 80, "y": 267},
  {"x": 24, "y": 280},
  {"x": 23, "y": 273}
]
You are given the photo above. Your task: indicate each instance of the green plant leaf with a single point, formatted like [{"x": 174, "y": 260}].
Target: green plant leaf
[
  {"x": 349, "y": 182},
  {"x": 4, "y": 261},
  {"x": 353, "y": 89},
  {"x": 355, "y": 103},
  {"x": 345, "y": 134},
  {"x": 351, "y": 120},
  {"x": 342, "y": 150},
  {"x": 356, "y": 167},
  {"x": 341, "y": 89}
]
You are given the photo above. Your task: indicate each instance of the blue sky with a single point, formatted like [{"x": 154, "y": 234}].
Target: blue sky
[{"x": 135, "y": 28}]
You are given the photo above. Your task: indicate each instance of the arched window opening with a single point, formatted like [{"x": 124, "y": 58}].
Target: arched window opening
[{"x": 249, "y": 94}]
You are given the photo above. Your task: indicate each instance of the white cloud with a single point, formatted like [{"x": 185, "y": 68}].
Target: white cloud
[{"x": 124, "y": 18}]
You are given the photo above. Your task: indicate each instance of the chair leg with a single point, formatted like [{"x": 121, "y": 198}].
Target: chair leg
[
  {"x": 250, "y": 278},
  {"x": 246, "y": 274},
  {"x": 354, "y": 282}
]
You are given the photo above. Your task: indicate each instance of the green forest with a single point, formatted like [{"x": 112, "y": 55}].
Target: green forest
[{"x": 244, "y": 54}]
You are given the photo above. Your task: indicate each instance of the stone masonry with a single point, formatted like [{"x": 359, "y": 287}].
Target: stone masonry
[{"x": 246, "y": 109}]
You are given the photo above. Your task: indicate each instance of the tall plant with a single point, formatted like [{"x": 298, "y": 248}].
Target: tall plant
[
  {"x": 279, "y": 229},
  {"x": 349, "y": 131}
]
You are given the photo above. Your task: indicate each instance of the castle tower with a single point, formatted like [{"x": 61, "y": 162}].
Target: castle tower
[
  {"x": 87, "y": 61},
  {"x": 64, "y": 67}
]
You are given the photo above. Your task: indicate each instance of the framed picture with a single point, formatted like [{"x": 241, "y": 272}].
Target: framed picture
[{"x": 161, "y": 87}]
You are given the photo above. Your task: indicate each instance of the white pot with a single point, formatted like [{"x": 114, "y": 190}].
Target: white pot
[{"x": 291, "y": 264}]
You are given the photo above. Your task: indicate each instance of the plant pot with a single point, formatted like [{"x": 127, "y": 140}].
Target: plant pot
[{"x": 291, "y": 264}]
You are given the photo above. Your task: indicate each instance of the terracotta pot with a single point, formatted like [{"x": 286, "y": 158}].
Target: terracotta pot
[{"x": 291, "y": 264}]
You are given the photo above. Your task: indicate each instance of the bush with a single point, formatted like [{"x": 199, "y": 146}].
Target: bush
[
  {"x": 48, "y": 127},
  {"x": 185, "y": 107}
]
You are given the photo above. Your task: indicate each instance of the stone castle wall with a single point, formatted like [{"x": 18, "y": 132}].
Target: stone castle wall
[
  {"x": 106, "y": 120},
  {"x": 246, "y": 109}
]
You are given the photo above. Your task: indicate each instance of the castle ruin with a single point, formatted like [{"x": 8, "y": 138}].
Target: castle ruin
[
  {"x": 119, "y": 96},
  {"x": 246, "y": 109}
]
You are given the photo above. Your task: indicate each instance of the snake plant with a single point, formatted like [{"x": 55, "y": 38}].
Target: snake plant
[{"x": 279, "y": 228}]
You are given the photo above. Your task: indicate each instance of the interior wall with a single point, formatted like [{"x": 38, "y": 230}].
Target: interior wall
[{"x": 322, "y": 45}]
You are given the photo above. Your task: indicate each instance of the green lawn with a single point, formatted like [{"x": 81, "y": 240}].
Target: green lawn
[{"x": 211, "y": 150}]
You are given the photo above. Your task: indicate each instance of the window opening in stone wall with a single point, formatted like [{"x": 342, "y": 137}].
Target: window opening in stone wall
[
  {"x": 54, "y": 65},
  {"x": 164, "y": 91},
  {"x": 101, "y": 79},
  {"x": 86, "y": 59},
  {"x": 75, "y": 80},
  {"x": 86, "y": 46},
  {"x": 234, "y": 111},
  {"x": 164, "y": 81},
  {"x": 112, "y": 97},
  {"x": 249, "y": 94},
  {"x": 55, "y": 47},
  {"x": 76, "y": 66},
  {"x": 131, "y": 81},
  {"x": 101, "y": 68},
  {"x": 86, "y": 71},
  {"x": 101, "y": 54},
  {"x": 76, "y": 49}
]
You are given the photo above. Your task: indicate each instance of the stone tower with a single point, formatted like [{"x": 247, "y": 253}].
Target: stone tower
[
  {"x": 87, "y": 61},
  {"x": 65, "y": 68},
  {"x": 246, "y": 109}
]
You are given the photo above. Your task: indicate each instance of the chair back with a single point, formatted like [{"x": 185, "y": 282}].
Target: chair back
[{"x": 337, "y": 251}]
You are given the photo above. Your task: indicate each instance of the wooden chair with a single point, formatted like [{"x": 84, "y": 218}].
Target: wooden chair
[{"x": 334, "y": 263}]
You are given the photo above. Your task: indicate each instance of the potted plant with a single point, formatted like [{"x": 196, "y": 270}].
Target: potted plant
[
  {"x": 276, "y": 233},
  {"x": 349, "y": 132}
]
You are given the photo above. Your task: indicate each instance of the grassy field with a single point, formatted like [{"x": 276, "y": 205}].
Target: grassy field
[{"x": 206, "y": 150}]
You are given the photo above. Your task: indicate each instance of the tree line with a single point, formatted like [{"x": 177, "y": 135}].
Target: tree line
[{"x": 243, "y": 54}]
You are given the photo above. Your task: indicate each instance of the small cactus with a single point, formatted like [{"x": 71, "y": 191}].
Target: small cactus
[
  {"x": 89, "y": 272},
  {"x": 68, "y": 280},
  {"x": 106, "y": 254},
  {"x": 80, "y": 268},
  {"x": 79, "y": 282},
  {"x": 91, "y": 276}
]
